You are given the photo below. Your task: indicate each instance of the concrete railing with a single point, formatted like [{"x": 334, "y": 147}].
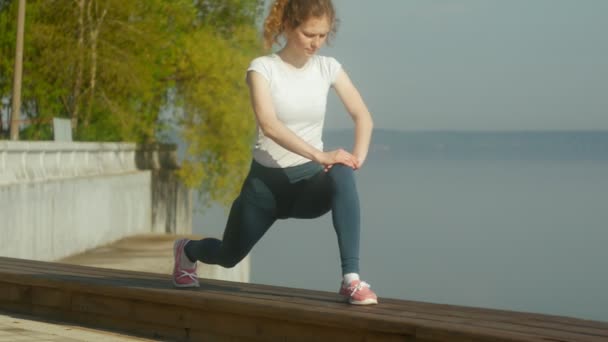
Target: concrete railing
[
  {"x": 58, "y": 199},
  {"x": 22, "y": 162}
]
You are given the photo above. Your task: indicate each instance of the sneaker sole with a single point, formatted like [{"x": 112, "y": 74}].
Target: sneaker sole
[
  {"x": 368, "y": 301},
  {"x": 185, "y": 285}
]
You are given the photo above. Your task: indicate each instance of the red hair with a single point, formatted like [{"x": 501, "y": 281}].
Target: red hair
[{"x": 290, "y": 14}]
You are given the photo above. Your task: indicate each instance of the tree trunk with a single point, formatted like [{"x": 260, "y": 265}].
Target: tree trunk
[
  {"x": 95, "y": 24},
  {"x": 79, "y": 66},
  {"x": 16, "y": 109}
]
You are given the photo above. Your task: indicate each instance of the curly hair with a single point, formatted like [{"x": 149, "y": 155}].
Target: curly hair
[{"x": 290, "y": 14}]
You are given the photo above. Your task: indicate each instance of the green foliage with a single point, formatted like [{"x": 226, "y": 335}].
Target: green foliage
[
  {"x": 220, "y": 140},
  {"x": 226, "y": 16},
  {"x": 114, "y": 66},
  {"x": 8, "y": 28}
]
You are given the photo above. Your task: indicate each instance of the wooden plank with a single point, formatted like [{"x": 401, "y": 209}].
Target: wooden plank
[
  {"x": 296, "y": 308},
  {"x": 216, "y": 301},
  {"x": 555, "y": 324},
  {"x": 105, "y": 306},
  {"x": 102, "y": 305},
  {"x": 554, "y": 330},
  {"x": 275, "y": 329},
  {"x": 390, "y": 305},
  {"x": 473, "y": 312},
  {"x": 264, "y": 310},
  {"x": 238, "y": 325},
  {"x": 13, "y": 292},
  {"x": 98, "y": 310},
  {"x": 49, "y": 297},
  {"x": 508, "y": 327},
  {"x": 435, "y": 335},
  {"x": 196, "y": 335},
  {"x": 461, "y": 322},
  {"x": 379, "y": 337}
]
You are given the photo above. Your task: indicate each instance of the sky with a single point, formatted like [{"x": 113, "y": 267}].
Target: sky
[{"x": 475, "y": 64}]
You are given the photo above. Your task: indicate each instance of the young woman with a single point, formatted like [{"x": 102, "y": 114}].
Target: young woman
[{"x": 290, "y": 175}]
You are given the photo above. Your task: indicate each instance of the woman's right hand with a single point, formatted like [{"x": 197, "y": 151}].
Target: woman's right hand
[{"x": 339, "y": 156}]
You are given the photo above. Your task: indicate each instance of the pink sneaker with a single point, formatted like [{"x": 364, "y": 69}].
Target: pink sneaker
[
  {"x": 359, "y": 293},
  {"x": 184, "y": 271}
]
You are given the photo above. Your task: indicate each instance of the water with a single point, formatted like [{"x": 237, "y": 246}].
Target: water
[{"x": 512, "y": 221}]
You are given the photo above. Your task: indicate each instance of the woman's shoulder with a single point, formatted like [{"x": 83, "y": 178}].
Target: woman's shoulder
[
  {"x": 329, "y": 67},
  {"x": 327, "y": 60},
  {"x": 264, "y": 65},
  {"x": 264, "y": 60}
]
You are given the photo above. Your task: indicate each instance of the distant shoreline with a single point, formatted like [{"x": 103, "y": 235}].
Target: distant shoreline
[
  {"x": 455, "y": 131},
  {"x": 481, "y": 145}
]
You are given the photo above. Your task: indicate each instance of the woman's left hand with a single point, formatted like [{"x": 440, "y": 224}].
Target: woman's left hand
[
  {"x": 358, "y": 164},
  {"x": 360, "y": 161}
]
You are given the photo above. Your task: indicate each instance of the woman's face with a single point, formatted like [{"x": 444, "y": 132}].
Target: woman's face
[{"x": 310, "y": 36}]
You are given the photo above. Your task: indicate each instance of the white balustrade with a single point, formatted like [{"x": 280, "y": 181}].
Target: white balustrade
[{"x": 27, "y": 161}]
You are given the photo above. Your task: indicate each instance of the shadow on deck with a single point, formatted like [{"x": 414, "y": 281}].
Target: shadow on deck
[{"x": 147, "y": 305}]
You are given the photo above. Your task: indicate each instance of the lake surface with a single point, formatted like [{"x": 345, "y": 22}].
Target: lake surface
[{"x": 514, "y": 221}]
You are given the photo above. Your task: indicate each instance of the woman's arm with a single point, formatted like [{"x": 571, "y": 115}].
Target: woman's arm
[
  {"x": 348, "y": 93},
  {"x": 274, "y": 129}
]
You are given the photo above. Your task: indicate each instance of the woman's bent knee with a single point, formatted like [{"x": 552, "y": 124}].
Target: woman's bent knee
[
  {"x": 341, "y": 170},
  {"x": 230, "y": 262},
  {"x": 342, "y": 175}
]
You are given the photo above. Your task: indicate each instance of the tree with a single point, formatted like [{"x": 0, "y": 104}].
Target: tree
[
  {"x": 7, "y": 54},
  {"x": 219, "y": 140},
  {"x": 114, "y": 66}
]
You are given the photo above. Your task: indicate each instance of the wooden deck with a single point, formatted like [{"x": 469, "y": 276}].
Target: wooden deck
[{"x": 147, "y": 305}]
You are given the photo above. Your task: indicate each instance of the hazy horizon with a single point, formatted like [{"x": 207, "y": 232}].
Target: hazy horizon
[{"x": 475, "y": 64}]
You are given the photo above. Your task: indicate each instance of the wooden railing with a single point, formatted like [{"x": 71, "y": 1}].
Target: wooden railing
[{"x": 146, "y": 304}]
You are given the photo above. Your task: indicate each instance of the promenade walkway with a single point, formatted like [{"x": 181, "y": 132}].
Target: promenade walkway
[{"x": 24, "y": 328}]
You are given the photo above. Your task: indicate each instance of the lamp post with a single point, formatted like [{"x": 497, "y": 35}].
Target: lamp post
[{"x": 16, "y": 108}]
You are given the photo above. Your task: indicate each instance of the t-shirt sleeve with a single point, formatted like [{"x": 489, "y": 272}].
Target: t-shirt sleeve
[
  {"x": 261, "y": 66},
  {"x": 332, "y": 67}
]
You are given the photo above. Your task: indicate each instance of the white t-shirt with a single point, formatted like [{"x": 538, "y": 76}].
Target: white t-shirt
[{"x": 299, "y": 96}]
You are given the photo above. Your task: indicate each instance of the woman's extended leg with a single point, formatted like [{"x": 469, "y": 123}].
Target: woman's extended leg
[
  {"x": 247, "y": 223},
  {"x": 251, "y": 214}
]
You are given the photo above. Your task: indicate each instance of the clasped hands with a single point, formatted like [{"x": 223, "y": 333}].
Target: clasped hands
[{"x": 339, "y": 156}]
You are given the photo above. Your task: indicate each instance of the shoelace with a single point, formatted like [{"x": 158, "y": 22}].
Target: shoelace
[
  {"x": 192, "y": 275},
  {"x": 359, "y": 287}
]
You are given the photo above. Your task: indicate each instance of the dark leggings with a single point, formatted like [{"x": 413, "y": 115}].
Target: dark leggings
[{"x": 268, "y": 194}]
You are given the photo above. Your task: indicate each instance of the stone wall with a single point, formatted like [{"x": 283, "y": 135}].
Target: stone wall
[{"x": 59, "y": 199}]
